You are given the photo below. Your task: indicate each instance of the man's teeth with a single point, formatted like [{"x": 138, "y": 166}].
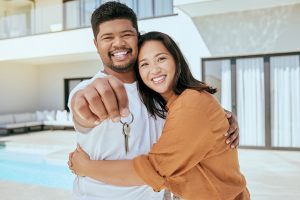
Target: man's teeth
[
  {"x": 120, "y": 53},
  {"x": 159, "y": 79}
]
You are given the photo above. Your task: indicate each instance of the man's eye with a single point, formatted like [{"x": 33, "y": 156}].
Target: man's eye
[
  {"x": 107, "y": 38},
  {"x": 127, "y": 35}
]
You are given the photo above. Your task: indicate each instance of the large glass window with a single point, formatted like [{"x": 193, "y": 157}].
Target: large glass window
[
  {"x": 251, "y": 101},
  {"x": 265, "y": 95},
  {"x": 218, "y": 75},
  {"x": 164, "y": 7},
  {"x": 285, "y": 101},
  {"x": 72, "y": 14}
]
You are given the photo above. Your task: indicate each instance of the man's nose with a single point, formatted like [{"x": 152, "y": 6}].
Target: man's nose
[{"x": 118, "y": 42}]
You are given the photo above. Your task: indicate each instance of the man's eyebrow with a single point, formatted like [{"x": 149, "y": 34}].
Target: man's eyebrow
[
  {"x": 105, "y": 34},
  {"x": 128, "y": 31}
]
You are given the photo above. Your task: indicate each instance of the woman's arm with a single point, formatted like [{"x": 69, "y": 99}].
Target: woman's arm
[{"x": 114, "y": 172}]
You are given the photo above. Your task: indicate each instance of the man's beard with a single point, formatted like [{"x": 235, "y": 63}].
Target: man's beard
[{"x": 122, "y": 68}]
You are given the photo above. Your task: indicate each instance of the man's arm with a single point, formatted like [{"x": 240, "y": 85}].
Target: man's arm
[{"x": 103, "y": 98}]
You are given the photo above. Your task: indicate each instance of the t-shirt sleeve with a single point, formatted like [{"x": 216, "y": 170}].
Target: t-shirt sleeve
[{"x": 186, "y": 140}]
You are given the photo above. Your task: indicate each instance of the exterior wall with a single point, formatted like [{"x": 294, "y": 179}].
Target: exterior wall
[
  {"x": 51, "y": 81},
  {"x": 250, "y": 32},
  {"x": 18, "y": 88},
  {"x": 45, "y": 45},
  {"x": 182, "y": 29}
]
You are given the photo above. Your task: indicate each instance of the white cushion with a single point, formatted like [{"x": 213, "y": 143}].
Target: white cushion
[
  {"x": 6, "y": 119},
  {"x": 22, "y": 117},
  {"x": 29, "y": 124},
  {"x": 61, "y": 116},
  {"x": 40, "y": 116},
  {"x": 50, "y": 115}
]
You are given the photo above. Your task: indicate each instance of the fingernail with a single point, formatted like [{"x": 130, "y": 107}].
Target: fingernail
[
  {"x": 116, "y": 119},
  {"x": 97, "y": 122},
  {"x": 226, "y": 134},
  {"x": 125, "y": 112},
  {"x": 232, "y": 146},
  {"x": 227, "y": 141}
]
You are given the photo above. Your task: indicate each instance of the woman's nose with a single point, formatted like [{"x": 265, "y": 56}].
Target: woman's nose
[{"x": 155, "y": 70}]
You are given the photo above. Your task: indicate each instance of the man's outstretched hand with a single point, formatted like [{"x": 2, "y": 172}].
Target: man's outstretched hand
[{"x": 102, "y": 99}]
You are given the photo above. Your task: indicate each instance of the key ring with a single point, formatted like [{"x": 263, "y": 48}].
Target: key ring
[{"x": 132, "y": 118}]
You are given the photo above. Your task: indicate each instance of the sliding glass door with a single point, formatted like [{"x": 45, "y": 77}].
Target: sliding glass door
[
  {"x": 285, "y": 101},
  {"x": 264, "y": 92}
]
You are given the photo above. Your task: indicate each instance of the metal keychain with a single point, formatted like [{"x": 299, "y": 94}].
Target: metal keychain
[{"x": 126, "y": 132}]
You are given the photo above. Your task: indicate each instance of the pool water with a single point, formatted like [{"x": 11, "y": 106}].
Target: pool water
[{"x": 34, "y": 169}]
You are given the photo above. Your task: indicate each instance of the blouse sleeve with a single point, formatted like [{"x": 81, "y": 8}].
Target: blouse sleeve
[{"x": 186, "y": 140}]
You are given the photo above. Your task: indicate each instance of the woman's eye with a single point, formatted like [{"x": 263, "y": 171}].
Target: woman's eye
[
  {"x": 161, "y": 59},
  {"x": 143, "y": 64}
]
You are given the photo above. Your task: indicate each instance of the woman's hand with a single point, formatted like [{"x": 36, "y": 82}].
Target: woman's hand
[
  {"x": 79, "y": 161},
  {"x": 233, "y": 133}
]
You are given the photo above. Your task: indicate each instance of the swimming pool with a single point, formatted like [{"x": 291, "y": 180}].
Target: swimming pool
[{"x": 34, "y": 169}]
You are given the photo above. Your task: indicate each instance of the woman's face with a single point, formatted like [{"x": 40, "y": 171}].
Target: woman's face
[{"x": 157, "y": 68}]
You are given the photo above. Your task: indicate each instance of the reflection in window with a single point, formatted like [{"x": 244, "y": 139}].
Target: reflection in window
[{"x": 218, "y": 75}]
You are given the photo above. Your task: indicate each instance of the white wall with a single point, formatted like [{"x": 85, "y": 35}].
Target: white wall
[
  {"x": 46, "y": 45},
  {"x": 252, "y": 32},
  {"x": 18, "y": 88},
  {"x": 182, "y": 29},
  {"x": 51, "y": 81}
]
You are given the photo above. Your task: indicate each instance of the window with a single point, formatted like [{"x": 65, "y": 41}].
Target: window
[{"x": 264, "y": 92}]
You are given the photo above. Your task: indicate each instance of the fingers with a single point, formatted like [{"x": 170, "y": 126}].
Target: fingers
[
  {"x": 233, "y": 140},
  {"x": 121, "y": 95},
  {"x": 95, "y": 103},
  {"x": 103, "y": 98},
  {"x": 82, "y": 112},
  {"x": 108, "y": 98},
  {"x": 79, "y": 149}
]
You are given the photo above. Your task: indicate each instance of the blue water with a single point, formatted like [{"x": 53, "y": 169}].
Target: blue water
[{"x": 33, "y": 169}]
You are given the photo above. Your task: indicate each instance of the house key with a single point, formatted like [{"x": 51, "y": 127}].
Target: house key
[{"x": 126, "y": 132}]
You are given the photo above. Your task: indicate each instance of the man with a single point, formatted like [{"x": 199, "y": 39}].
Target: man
[{"x": 112, "y": 94}]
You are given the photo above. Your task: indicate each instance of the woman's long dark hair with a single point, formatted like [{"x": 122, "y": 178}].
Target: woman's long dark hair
[{"x": 183, "y": 79}]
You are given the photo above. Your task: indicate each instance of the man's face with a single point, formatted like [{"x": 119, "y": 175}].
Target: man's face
[{"x": 116, "y": 43}]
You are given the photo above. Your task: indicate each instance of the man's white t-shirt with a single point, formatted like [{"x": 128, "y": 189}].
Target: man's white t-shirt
[{"x": 107, "y": 142}]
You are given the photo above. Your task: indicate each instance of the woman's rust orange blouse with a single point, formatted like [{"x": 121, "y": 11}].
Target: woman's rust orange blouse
[{"x": 191, "y": 157}]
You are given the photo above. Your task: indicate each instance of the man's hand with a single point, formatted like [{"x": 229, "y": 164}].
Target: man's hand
[
  {"x": 104, "y": 98},
  {"x": 233, "y": 133}
]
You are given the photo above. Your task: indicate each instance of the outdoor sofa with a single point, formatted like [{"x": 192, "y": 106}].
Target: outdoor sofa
[{"x": 39, "y": 120}]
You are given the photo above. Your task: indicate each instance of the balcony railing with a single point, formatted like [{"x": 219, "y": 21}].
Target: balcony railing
[{"x": 70, "y": 15}]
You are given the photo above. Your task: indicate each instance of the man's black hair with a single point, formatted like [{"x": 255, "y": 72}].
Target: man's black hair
[{"x": 109, "y": 11}]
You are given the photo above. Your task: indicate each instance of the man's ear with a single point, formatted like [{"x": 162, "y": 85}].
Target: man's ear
[{"x": 95, "y": 43}]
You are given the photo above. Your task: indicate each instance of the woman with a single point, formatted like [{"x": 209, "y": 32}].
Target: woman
[{"x": 190, "y": 158}]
